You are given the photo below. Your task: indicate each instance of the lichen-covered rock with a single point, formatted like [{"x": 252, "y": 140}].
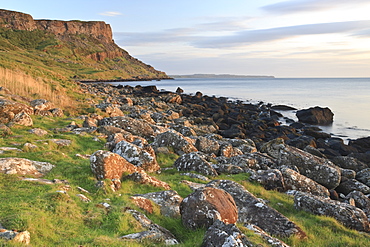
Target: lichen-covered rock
[
  {"x": 204, "y": 206},
  {"x": 38, "y": 132},
  {"x": 134, "y": 126},
  {"x": 137, "y": 156},
  {"x": 252, "y": 210},
  {"x": 155, "y": 232},
  {"x": 143, "y": 203},
  {"x": 271, "y": 179},
  {"x": 228, "y": 150},
  {"x": 22, "y": 166},
  {"x": 364, "y": 176},
  {"x": 175, "y": 141},
  {"x": 318, "y": 169},
  {"x": 351, "y": 163},
  {"x": 197, "y": 162},
  {"x": 349, "y": 185},
  {"x": 41, "y": 104},
  {"x": 8, "y": 109},
  {"x": 271, "y": 240},
  {"x": 20, "y": 237},
  {"x": 348, "y": 215},
  {"x": 361, "y": 201},
  {"x": 255, "y": 161},
  {"x": 168, "y": 200},
  {"x": 295, "y": 181},
  {"x": 221, "y": 234},
  {"x": 244, "y": 145},
  {"x": 143, "y": 178},
  {"x": 207, "y": 146},
  {"x": 22, "y": 118}
]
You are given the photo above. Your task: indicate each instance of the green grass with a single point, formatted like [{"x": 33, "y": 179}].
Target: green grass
[{"x": 55, "y": 219}]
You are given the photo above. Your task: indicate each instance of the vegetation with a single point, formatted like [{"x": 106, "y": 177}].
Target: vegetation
[{"x": 56, "y": 219}]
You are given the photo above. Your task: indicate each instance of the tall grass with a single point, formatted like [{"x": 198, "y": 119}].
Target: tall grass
[{"x": 25, "y": 85}]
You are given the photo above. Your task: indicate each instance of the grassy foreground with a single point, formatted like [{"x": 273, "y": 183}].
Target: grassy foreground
[{"x": 54, "y": 219}]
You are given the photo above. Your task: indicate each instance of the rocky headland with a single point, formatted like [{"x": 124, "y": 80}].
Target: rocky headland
[{"x": 211, "y": 137}]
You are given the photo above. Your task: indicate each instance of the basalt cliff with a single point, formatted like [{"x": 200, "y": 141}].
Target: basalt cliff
[{"x": 78, "y": 49}]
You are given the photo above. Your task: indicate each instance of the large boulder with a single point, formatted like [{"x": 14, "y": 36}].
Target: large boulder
[
  {"x": 221, "y": 234},
  {"x": 364, "y": 176},
  {"x": 204, "y": 206},
  {"x": 318, "y": 169},
  {"x": 252, "y": 210},
  {"x": 41, "y": 105},
  {"x": 349, "y": 185},
  {"x": 348, "y": 215},
  {"x": 361, "y": 144},
  {"x": 197, "y": 162},
  {"x": 174, "y": 140},
  {"x": 271, "y": 179},
  {"x": 142, "y": 157},
  {"x": 8, "y": 109},
  {"x": 361, "y": 201},
  {"x": 207, "y": 145},
  {"x": 316, "y": 115},
  {"x": 23, "y": 167},
  {"x": 22, "y": 118},
  {"x": 134, "y": 126},
  {"x": 351, "y": 163}
]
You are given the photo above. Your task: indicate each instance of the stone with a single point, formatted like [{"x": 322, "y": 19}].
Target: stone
[
  {"x": 318, "y": 169},
  {"x": 14, "y": 236},
  {"x": 196, "y": 162},
  {"x": 271, "y": 179},
  {"x": 23, "y": 167},
  {"x": 348, "y": 215},
  {"x": 5, "y": 130},
  {"x": 316, "y": 115},
  {"x": 61, "y": 142},
  {"x": 349, "y": 185},
  {"x": 22, "y": 118},
  {"x": 361, "y": 201},
  {"x": 361, "y": 144},
  {"x": 221, "y": 234},
  {"x": 135, "y": 126},
  {"x": 175, "y": 141},
  {"x": 207, "y": 146},
  {"x": 90, "y": 122},
  {"x": 252, "y": 210},
  {"x": 169, "y": 201},
  {"x": 155, "y": 232},
  {"x": 351, "y": 163},
  {"x": 143, "y": 203},
  {"x": 41, "y": 104},
  {"x": 271, "y": 240},
  {"x": 38, "y": 132},
  {"x": 57, "y": 112},
  {"x": 228, "y": 150},
  {"x": 204, "y": 206},
  {"x": 143, "y": 178},
  {"x": 141, "y": 157},
  {"x": 8, "y": 109},
  {"x": 364, "y": 176}
]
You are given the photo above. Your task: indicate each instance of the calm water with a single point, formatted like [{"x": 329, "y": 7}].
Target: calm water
[{"x": 348, "y": 98}]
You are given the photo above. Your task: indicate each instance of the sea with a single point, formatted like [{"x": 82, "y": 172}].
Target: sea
[{"x": 348, "y": 98}]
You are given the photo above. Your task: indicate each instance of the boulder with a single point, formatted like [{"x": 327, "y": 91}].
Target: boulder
[
  {"x": 197, "y": 162},
  {"x": 204, "y": 206},
  {"x": 271, "y": 179},
  {"x": 175, "y": 141},
  {"x": 41, "y": 105},
  {"x": 228, "y": 150},
  {"x": 8, "y": 109},
  {"x": 22, "y": 118},
  {"x": 349, "y": 185},
  {"x": 348, "y": 215},
  {"x": 221, "y": 234},
  {"x": 15, "y": 236},
  {"x": 351, "y": 163},
  {"x": 361, "y": 201},
  {"x": 361, "y": 144},
  {"x": 271, "y": 240},
  {"x": 24, "y": 167},
  {"x": 141, "y": 157},
  {"x": 318, "y": 169},
  {"x": 155, "y": 232},
  {"x": 364, "y": 176},
  {"x": 143, "y": 178},
  {"x": 207, "y": 146},
  {"x": 252, "y": 210},
  {"x": 169, "y": 201},
  {"x": 134, "y": 126},
  {"x": 316, "y": 115},
  {"x": 38, "y": 132}
]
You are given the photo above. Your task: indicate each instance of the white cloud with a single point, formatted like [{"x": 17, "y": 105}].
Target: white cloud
[{"x": 110, "y": 13}]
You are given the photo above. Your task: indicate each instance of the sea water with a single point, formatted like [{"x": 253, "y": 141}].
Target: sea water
[{"x": 348, "y": 98}]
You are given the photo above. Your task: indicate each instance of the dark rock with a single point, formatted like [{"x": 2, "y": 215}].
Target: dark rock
[
  {"x": 283, "y": 108},
  {"x": 221, "y": 234},
  {"x": 316, "y": 134},
  {"x": 302, "y": 141},
  {"x": 251, "y": 210},
  {"x": 362, "y": 144},
  {"x": 348, "y": 215},
  {"x": 350, "y": 185},
  {"x": 204, "y": 206},
  {"x": 338, "y": 145},
  {"x": 364, "y": 176},
  {"x": 361, "y": 201},
  {"x": 316, "y": 115},
  {"x": 347, "y": 162},
  {"x": 270, "y": 179},
  {"x": 363, "y": 157}
]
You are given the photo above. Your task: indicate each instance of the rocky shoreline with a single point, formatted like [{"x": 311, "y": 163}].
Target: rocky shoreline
[{"x": 214, "y": 136}]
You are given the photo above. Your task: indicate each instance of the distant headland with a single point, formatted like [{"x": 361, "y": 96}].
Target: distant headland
[{"x": 222, "y": 76}]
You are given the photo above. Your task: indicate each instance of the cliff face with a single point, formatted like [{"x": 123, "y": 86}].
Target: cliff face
[{"x": 16, "y": 20}]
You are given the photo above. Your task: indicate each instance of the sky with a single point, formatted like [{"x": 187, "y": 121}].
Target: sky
[{"x": 282, "y": 38}]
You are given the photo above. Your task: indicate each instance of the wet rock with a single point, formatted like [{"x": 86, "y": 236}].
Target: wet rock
[
  {"x": 155, "y": 232},
  {"x": 315, "y": 115},
  {"x": 141, "y": 157},
  {"x": 175, "y": 141},
  {"x": 168, "y": 200},
  {"x": 22, "y": 166},
  {"x": 221, "y": 234},
  {"x": 361, "y": 144},
  {"x": 204, "y": 206},
  {"x": 251, "y": 210},
  {"x": 197, "y": 162},
  {"x": 348, "y": 215},
  {"x": 318, "y": 169},
  {"x": 350, "y": 185}
]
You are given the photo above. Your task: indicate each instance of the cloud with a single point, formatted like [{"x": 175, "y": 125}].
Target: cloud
[
  {"x": 264, "y": 35},
  {"x": 309, "y": 5},
  {"x": 110, "y": 13}
]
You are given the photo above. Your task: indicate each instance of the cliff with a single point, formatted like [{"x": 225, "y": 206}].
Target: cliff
[{"x": 75, "y": 41}]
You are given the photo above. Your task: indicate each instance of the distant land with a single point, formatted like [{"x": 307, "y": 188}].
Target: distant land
[{"x": 222, "y": 76}]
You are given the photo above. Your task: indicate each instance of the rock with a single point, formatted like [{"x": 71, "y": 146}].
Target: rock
[
  {"x": 193, "y": 175},
  {"x": 141, "y": 157},
  {"x": 318, "y": 169},
  {"x": 295, "y": 181},
  {"x": 361, "y": 201},
  {"x": 134, "y": 126},
  {"x": 57, "y": 112},
  {"x": 244, "y": 145},
  {"x": 90, "y": 122},
  {"x": 361, "y": 144},
  {"x": 168, "y": 200},
  {"x": 143, "y": 203},
  {"x": 350, "y": 185},
  {"x": 41, "y": 104},
  {"x": 20, "y": 237},
  {"x": 204, "y": 206},
  {"x": 29, "y": 146},
  {"x": 364, "y": 176},
  {"x": 154, "y": 233},
  {"x": 5, "y": 130},
  {"x": 221, "y": 234},
  {"x": 61, "y": 142},
  {"x": 175, "y": 141},
  {"x": 271, "y": 240},
  {"x": 348, "y": 215},
  {"x": 173, "y": 99},
  {"x": 38, "y": 132},
  {"x": 197, "y": 162},
  {"x": 22, "y": 118},
  {"x": 83, "y": 198},
  {"x": 271, "y": 179},
  {"x": 228, "y": 150},
  {"x": 351, "y": 163},
  {"x": 315, "y": 115},
  {"x": 8, "y": 109},
  {"x": 302, "y": 142},
  {"x": 23, "y": 167},
  {"x": 207, "y": 146},
  {"x": 251, "y": 210},
  {"x": 143, "y": 178}
]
